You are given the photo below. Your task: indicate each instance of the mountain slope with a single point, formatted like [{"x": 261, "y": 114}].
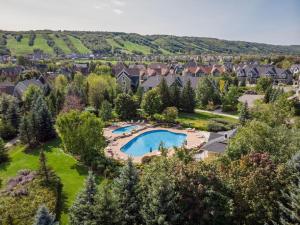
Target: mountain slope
[{"x": 109, "y": 43}]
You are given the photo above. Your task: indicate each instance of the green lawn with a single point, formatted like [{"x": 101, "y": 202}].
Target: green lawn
[
  {"x": 79, "y": 45},
  {"x": 22, "y": 47},
  {"x": 200, "y": 120},
  {"x": 66, "y": 167}
]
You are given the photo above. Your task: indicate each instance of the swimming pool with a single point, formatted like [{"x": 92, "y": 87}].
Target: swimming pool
[
  {"x": 125, "y": 129},
  {"x": 150, "y": 140}
]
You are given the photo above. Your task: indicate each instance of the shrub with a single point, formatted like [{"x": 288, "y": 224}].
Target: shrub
[
  {"x": 216, "y": 127},
  {"x": 170, "y": 114}
]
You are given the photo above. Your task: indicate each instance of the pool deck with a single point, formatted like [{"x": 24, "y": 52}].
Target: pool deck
[{"x": 116, "y": 141}]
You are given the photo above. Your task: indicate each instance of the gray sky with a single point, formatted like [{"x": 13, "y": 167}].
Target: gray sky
[{"x": 267, "y": 21}]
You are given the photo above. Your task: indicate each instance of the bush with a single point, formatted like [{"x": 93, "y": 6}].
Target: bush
[
  {"x": 216, "y": 127},
  {"x": 170, "y": 114}
]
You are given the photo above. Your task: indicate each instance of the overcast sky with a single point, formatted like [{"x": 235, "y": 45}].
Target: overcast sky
[{"x": 267, "y": 21}]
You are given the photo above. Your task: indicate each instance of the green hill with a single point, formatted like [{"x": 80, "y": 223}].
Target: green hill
[{"x": 109, "y": 43}]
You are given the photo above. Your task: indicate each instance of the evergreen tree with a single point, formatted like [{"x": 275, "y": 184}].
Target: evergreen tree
[
  {"x": 188, "y": 102},
  {"x": 13, "y": 115},
  {"x": 106, "y": 111},
  {"x": 9, "y": 220},
  {"x": 268, "y": 94},
  {"x": 26, "y": 130},
  {"x": 43, "y": 118},
  {"x": 244, "y": 113},
  {"x": 175, "y": 95},
  {"x": 43, "y": 169},
  {"x": 83, "y": 209},
  {"x": 106, "y": 207},
  {"x": 159, "y": 198},
  {"x": 44, "y": 217},
  {"x": 3, "y": 152},
  {"x": 126, "y": 192},
  {"x": 163, "y": 91}
]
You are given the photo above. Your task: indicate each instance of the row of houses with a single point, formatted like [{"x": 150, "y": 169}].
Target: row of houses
[{"x": 139, "y": 75}]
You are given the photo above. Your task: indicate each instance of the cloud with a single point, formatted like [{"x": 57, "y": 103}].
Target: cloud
[
  {"x": 118, "y": 3},
  {"x": 102, "y": 6},
  {"x": 118, "y": 11}
]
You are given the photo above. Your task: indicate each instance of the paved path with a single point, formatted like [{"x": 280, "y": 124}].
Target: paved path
[
  {"x": 217, "y": 113},
  {"x": 11, "y": 142}
]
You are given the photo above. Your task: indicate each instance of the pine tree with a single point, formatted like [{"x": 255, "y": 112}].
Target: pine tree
[
  {"x": 13, "y": 116},
  {"x": 43, "y": 118},
  {"x": 175, "y": 95},
  {"x": 106, "y": 111},
  {"x": 106, "y": 207},
  {"x": 188, "y": 102},
  {"x": 83, "y": 209},
  {"x": 43, "y": 169},
  {"x": 9, "y": 220},
  {"x": 26, "y": 130},
  {"x": 44, "y": 217},
  {"x": 290, "y": 208},
  {"x": 159, "y": 199},
  {"x": 268, "y": 94},
  {"x": 3, "y": 152},
  {"x": 163, "y": 91},
  {"x": 126, "y": 192},
  {"x": 244, "y": 113}
]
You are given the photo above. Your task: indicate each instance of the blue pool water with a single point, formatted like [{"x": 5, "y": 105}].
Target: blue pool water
[
  {"x": 142, "y": 144},
  {"x": 125, "y": 129}
]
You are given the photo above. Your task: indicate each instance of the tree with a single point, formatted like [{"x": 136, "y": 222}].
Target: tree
[
  {"x": 72, "y": 102},
  {"x": 81, "y": 135},
  {"x": 151, "y": 102},
  {"x": 159, "y": 196},
  {"x": 244, "y": 114},
  {"x": 100, "y": 88},
  {"x": 55, "y": 102},
  {"x": 42, "y": 118},
  {"x": 188, "y": 101},
  {"x": 263, "y": 83},
  {"x": 230, "y": 100},
  {"x": 170, "y": 114},
  {"x": 106, "y": 111},
  {"x": 175, "y": 95},
  {"x": 3, "y": 152},
  {"x": 280, "y": 142},
  {"x": 125, "y": 106},
  {"x": 26, "y": 130},
  {"x": 60, "y": 83},
  {"x": 126, "y": 193},
  {"x": 290, "y": 205},
  {"x": 163, "y": 91},
  {"x": 83, "y": 209},
  {"x": 207, "y": 92},
  {"x": 30, "y": 96},
  {"x": 43, "y": 217},
  {"x": 106, "y": 207}
]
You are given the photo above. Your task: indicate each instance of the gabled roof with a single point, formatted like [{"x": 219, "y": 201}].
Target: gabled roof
[{"x": 22, "y": 86}]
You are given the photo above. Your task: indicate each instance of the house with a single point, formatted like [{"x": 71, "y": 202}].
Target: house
[
  {"x": 295, "y": 68},
  {"x": 251, "y": 73},
  {"x": 216, "y": 144},
  {"x": 171, "y": 79},
  {"x": 128, "y": 79},
  {"x": 116, "y": 69},
  {"x": 7, "y": 88},
  {"x": 22, "y": 86},
  {"x": 11, "y": 73},
  {"x": 81, "y": 67}
]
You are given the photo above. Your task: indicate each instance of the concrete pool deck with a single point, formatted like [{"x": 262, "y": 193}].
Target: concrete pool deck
[{"x": 194, "y": 140}]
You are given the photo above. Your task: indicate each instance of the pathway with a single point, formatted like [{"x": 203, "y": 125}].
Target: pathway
[{"x": 216, "y": 113}]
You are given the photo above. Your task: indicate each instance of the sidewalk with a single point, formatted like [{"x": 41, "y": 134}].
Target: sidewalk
[{"x": 217, "y": 113}]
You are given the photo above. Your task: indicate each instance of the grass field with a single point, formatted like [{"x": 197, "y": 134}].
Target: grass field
[
  {"x": 200, "y": 120},
  {"x": 136, "y": 47},
  {"x": 66, "y": 167},
  {"x": 78, "y": 45},
  {"x": 59, "y": 42},
  {"x": 22, "y": 47}
]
